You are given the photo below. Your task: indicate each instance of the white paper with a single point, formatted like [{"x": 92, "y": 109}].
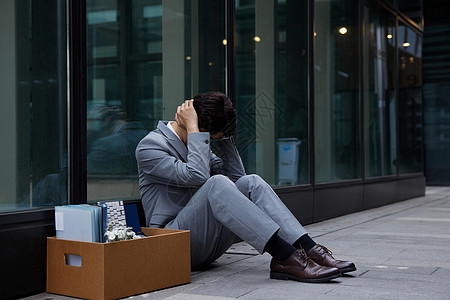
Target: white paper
[{"x": 59, "y": 221}]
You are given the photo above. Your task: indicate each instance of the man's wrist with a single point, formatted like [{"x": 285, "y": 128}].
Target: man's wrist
[{"x": 192, "y": 129}]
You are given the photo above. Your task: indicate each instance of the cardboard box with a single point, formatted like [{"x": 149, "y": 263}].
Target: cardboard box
[{"x": 119, "y": 269}]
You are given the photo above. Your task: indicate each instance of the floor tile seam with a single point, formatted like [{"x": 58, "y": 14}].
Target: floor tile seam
[
  {"x": 245, "y": 294},
  {"x": 373, "y": 219},
  {"x": 438, "y": 198},
  {"x": 399, "y": 280},
  {"x": 403, "y": 293},
  {"x": 333, "y": 289},
  {"x": 241, "y": 253},
  {"x": 405, "y": 279}
]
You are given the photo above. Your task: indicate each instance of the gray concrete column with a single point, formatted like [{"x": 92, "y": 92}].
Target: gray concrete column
[
  {"x": 173, "y": 56},
  {"x": 265, "y": 89}
]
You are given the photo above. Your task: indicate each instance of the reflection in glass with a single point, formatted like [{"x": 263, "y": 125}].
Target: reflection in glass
[
  {"x": 145, "y": 57},
  {"x": 271, "y": 89},
  {"x": 112, "y": 151},
  {"x": 336, "y": 90},
  {"x": 410, "y": 158},
  {"x": 379, "y": 92},
  {"x": 33, "y": 107}
]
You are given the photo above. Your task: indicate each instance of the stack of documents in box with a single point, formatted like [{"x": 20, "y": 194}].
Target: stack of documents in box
[
  {"x": 81, "y": 222},
  {"x": 88, "y": 223}
]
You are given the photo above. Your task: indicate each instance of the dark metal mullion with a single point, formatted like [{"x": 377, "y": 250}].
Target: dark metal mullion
[
  {"x": 397, "y": 100},
  {"x": 231, "y": 50},
  {"x": 424, "y": 162},
  {"x": 312, "y": 156},
  {"x": 77, "y": 102},
  {"x": 422, "y": 120},
  {"x": 361, "y": 87}
]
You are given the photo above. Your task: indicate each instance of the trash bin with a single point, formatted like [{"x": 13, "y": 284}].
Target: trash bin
[{"x": 288, "y": 154}]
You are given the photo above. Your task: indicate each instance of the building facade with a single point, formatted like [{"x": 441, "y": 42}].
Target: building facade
[{"x": 328, "y": 94}]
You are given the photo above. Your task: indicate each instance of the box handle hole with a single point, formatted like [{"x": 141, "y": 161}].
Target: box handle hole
[{"x": 73, "y": 260}]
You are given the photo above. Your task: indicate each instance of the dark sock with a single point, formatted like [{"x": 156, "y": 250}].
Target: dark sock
[
  {"x": 279, "y": 248},
  {"x": 305, "y": 242}
]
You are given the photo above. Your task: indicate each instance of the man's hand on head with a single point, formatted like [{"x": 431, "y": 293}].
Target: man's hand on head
[{"x": 186, "y": 117}]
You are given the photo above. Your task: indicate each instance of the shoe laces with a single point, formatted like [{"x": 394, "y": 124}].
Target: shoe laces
[
  {"x": 325, "y": 250},
  {"x": 302, "y": 255}
]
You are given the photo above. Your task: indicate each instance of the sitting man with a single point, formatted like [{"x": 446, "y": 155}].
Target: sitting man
[{"x": 184, "y": 185}]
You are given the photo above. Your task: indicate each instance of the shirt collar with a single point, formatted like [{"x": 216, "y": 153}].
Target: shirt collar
[{"x": 173, "y": 130}]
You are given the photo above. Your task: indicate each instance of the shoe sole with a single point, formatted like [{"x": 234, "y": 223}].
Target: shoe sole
[
  {"x": 346, "y": 270},
  {"x": 284, "y": 276}
]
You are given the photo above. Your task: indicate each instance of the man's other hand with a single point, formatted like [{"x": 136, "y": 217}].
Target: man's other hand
[{"x": 186, "y": 117}]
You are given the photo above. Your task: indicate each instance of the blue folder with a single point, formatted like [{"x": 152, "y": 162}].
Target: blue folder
[{"x": 132, "y": 218}]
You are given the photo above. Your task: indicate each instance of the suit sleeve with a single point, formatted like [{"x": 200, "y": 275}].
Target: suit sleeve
[
  {"x": 230, "y": 164},
  {"x": 158, "y": 165}
]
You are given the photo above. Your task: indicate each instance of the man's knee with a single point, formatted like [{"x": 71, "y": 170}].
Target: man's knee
[
  {"x": 251, "y": 180},
  {"x": 218, "y": 180}
]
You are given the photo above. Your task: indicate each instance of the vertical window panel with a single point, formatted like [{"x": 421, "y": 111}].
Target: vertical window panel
[
  {"x": 379, "y": 92},
  {"x": 271, "y": 89},
  {"x": 33, "y": 108},
  {"x": 336, "y": 90},
  {"x": 410, "y": 157}
]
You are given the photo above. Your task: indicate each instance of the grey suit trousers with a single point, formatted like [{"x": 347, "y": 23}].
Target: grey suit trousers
[{"x": 220, "y": 211}]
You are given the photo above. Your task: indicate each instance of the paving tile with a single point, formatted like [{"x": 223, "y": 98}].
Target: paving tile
[
  {"x": 228, "y": 258},
  {"x": 224, "y": 288},
  {"x": 184, "y": 296},
  {"x": 281, "y": 289},
  {"x": 400, "y": 251},
  {"x": 400, "y": 284},
  {"x": 349, "y": 293},
  {"x": 165, "y": 293},
  {"x": 242, "y": 248}
]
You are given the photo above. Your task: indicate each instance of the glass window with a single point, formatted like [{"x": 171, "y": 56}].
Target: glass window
[
  {"x": 410, "y": 100},
  {"x": 436, "y": 100},
  {"x": 413, "y": 9},
  {"x": 272, "y": 89},
  {"x": 336, "y": 90},
  {"x": 379, "y": 91},
  {"x": 33, "y": 152},
  {"x": 145, "y": 57}
]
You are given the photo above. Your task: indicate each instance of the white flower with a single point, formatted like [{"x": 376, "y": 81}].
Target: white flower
[
  {"x": 119, "y": 232},
  {"x": 111, "y": 236}
]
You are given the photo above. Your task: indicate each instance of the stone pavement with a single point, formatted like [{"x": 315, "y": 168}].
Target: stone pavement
[{"x": 402, "y": 251}]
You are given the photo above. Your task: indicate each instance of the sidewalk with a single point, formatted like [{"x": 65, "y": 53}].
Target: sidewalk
[{"x": 402, "y": 251}]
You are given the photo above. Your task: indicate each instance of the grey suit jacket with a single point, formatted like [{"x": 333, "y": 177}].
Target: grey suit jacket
[{"x": 170, "y": 173}]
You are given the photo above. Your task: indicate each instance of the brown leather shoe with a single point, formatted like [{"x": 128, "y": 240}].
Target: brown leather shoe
[
  {"x": 322, "y": 256},
  {"x": 301, "y": 268}
]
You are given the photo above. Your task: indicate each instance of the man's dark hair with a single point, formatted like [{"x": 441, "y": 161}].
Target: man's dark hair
[{"x": 215, "y": 113}]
